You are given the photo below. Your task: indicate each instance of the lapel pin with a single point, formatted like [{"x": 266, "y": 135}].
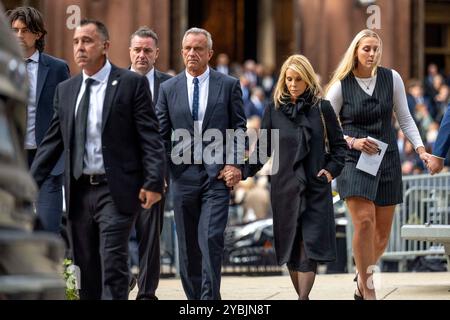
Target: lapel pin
[{"x": 114, "y": 83}]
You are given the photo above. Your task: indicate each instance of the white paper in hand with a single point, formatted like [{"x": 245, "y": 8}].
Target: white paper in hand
[{"x": 371, "y": 163}]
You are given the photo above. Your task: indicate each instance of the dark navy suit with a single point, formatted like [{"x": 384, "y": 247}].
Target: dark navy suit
[
  {"x": 51, "y": 71},
  {"x": 442, "y": 144},
  {"x": 148, "y": 227},
  {"x": 200, "y": 199}
]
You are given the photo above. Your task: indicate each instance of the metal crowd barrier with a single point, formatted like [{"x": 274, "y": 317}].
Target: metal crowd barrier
[{"x": 426, "y": 201}]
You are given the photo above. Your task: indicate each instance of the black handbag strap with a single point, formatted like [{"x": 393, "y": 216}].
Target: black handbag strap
[{"x": 325, "y": 131}]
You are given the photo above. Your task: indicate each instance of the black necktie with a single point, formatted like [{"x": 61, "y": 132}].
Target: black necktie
[
  {"x": 195, "y": 101},
  {"x": 80, "y": 131}
]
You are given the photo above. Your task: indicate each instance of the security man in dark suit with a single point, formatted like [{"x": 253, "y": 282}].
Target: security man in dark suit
[
  {"x": 200, "y": 101},
  {"x": 44, "y": 74},
  {"x": 114, "y": 160},
  {"x": 143, "y": 54}
]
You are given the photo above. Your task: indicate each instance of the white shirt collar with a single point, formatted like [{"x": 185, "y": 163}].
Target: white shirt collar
[
  {"x": 34, "y": 57},
  {"x": 200, "y": 78},
  {"x": 102, "y": 75},
  {"x": 151, "y": 73}
]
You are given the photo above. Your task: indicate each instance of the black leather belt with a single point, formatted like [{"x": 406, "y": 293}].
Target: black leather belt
[{"x": 93, "y": 179}]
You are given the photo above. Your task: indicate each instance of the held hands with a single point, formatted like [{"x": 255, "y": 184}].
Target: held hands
[
  {"x": 148, "y": 198},
  {"x": 435, "y": 164},
  {"x": 231, "y": 175},
  {"x": 326, "y": 173}
]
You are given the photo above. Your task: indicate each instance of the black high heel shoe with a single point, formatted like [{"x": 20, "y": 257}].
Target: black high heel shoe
[{"x": 355, "y": 296}]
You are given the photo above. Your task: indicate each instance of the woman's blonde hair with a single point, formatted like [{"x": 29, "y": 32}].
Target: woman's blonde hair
[
  {"x": 350, "y": 59},
  {"x": 303, "y": 67}
]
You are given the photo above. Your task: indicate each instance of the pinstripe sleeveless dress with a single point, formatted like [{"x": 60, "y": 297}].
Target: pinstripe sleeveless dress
[{"x": 363, "y": 115}]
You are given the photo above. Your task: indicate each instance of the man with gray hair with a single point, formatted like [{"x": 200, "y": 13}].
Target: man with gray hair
[
  {"x": 196, "y": 101},
  {"x": 143, "y": 54}
]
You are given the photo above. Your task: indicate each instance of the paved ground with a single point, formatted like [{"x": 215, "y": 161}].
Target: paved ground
[{"x": 393, "y": 286}]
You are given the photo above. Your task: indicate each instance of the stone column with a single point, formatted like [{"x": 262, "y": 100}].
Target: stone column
[
  {"x": 266, "y": 35},
  {"x": 179, "y": 24}
]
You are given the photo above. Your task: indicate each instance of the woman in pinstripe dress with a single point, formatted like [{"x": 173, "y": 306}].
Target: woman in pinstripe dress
[{"x": 365, "y": 95}]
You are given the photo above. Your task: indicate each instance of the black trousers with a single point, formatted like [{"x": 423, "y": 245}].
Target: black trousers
[
  {"x": 100, "y": 242},
  {"x": 149, "y": 225},
  {"x": 201, "y": 214}
]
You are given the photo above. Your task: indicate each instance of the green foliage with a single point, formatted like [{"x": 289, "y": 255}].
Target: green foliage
[{"x": 71, "y": 280}]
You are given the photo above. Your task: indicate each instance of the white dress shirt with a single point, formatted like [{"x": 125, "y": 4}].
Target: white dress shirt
[
  {"x": 93, "y": 157},
  {"x": 151, "y": 80},
  {"x": 32, "y": 70},
  {"x": 203, "y": 84},
  {"x": 401, "y": 109}
]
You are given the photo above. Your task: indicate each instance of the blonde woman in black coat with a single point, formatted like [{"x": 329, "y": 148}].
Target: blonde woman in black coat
[{"x": 301, "y": 198}]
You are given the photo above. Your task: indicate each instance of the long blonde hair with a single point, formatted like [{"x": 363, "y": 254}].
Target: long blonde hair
[
  {"x": 303, "y": 67},
  {"x": 350, "y": 60}
]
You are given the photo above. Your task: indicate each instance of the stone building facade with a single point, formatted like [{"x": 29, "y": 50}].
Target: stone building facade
[{"x": 414, "y": 32}]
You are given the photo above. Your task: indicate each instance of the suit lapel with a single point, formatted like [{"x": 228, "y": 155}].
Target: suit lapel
[
  {"x": 213, "y": 93},
  {"x": 43, "y": 69},
  {"x": 111, "y": 88},
  {"x": 156, "y": 84},
  {"x": 72, "y": 103},
  {"x": 182, "y": 100}
]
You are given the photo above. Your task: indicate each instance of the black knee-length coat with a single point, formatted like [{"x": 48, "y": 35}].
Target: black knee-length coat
[{"x": 298, "y": 196}]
